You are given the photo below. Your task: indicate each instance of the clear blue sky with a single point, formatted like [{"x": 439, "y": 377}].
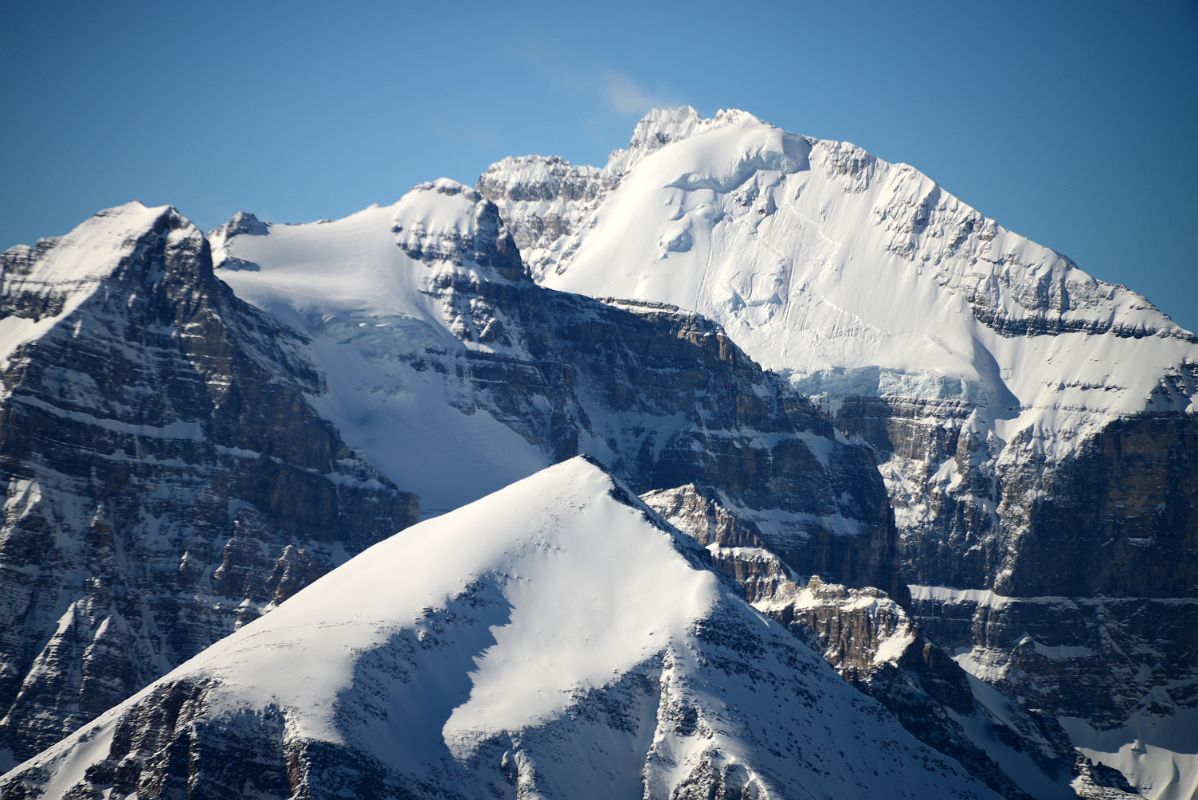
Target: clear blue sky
[{"x": 1075, "y": 123}]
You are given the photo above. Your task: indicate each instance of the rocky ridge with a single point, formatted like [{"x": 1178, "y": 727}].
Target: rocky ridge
[{"x": 877, "y": 646}]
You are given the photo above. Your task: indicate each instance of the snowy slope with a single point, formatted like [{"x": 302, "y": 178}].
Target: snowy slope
[{"x": 554, "y": 639}]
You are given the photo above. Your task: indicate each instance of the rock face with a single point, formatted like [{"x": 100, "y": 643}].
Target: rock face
[
  {"x": 1035, "y": 426},
  {"x": 555, "y": 639},
  {"x": 164, "y": 478},
  {"x": 1115, "y": 517}
]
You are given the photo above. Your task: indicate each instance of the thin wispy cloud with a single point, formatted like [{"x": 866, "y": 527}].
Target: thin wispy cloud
[
  {"x": 624, "y": 95},
  {"x": 611, "y": 89}
]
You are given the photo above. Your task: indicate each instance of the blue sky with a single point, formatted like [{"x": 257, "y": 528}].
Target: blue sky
[{"x": 1075, "y": 123}]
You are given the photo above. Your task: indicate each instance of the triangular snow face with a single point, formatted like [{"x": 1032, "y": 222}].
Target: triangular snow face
[
  {"x": 43, "y": 283},
  {"x": 554, "y": 639}
]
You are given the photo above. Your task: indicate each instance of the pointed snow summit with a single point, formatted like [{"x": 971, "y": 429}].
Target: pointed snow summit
[{"x": 554, "y": 639}]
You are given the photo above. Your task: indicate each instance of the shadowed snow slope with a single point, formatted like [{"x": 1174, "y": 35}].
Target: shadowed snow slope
[{"x": 554, "y": 639}]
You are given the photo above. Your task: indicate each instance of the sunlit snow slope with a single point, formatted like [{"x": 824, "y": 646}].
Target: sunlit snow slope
[{"x": 554, "y": 639}]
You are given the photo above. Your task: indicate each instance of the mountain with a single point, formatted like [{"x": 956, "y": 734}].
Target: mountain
[
  {"x": 165, "y": 478},
  {"x": 193, "y": 428},
  {"x": 257, "y": 445},
  {"x": 455, "y": 374},
  {"x": 1036, "y": 427},
  {"x": 554, "y": 639}
]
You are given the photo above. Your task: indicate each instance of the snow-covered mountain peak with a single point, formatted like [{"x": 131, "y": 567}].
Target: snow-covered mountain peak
[
  {"x": 379, "y": 256},
  {"x": 243, "y": 223},
  {"x": 551, "y": 638},
  {"x": 721, "y": 155},
  {"x": 382, "y": 261},
  {"x": 660, "y": 126},
  {"x": 95, "y": 247},
  {"x": 853, "y": 275},
  {"x": 559, "y": 534},
  {"x": 664, "y": 126},
  {"x": 440, "y": 207}
]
